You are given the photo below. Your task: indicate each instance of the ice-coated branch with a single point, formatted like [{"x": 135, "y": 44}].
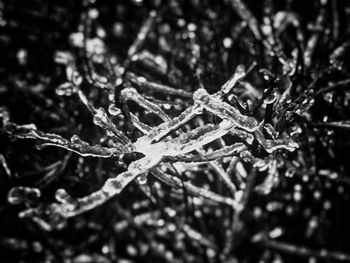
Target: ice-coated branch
[
  {"x": 142, "y": 34},
  {"x": 132, "y": 95},
  {"x": 231, "y": 150},
  {"x": 224, "y": 110},
  {"x": 75, "y": 144},
  {"x": 147, "y": 85}
]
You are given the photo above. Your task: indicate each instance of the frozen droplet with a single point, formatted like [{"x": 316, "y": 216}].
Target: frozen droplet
[
  {"x": 327, "y": 205},
  {"x": 160, "y": 222},
  {"x": 96, "y": 46},
  {"x": 181, "y": 22},
  {"x": 169, "y": 256},
  {"x": 164, "y": 29},
  {"x": 297, "y": 196},
  {"x": 276, "y": 232},
  {"x": 65, "y": 199},
  {"x": 191, "y": 27},
  {"x": 141, "y": 79},
  {"x": 191, "y": 35},
  {"x": 328, "y": 97},
  {"x": 114, "y": 110},
  {"x": 93, "y": 13},
  {"x": 137, "y": 2},
  {"x": 118, "y": 29},
  {"x": 211, "y": 253},
  {"x": 167, "y": 106},
  {"x": 131, "y": 250},
  {"x": 289, "y": 210},
  {"x": 305, "y": 178},
  {"x": 271, "y": 98},
  {"x": 239, "y": 195},
  {"x": 100, "y": 117},
  {"x": 142, "y": 179},
  {"x": 65, "y": 89},
  {"x": 4, "y": 115},
  {"x": 22, "y": 56},
  {"x": 40, "y": 146},
  {"x": 171, "y": 227},
  {"x": 62, "y": 196},
  {"x": 20, "y": 194},
  {"x": 77, "y": 39},
  {"x": 225, "y": 124},
  {"x": 101, "y": 32},
  {"x": 171, "y": 212},
  {"x": 161, "y": 62},
  {"x": 257, "y": 212},
  {"x": 105, "y": 249},
  {"x": 273, "y": 206},
  {"x": 75, "y": 139},
  {"x": 73, "y": 75},
  {"x": 297, "y": 187},
  {"x": 227, "y": 42},
  {"x": 118, "y": 81},
  {"x": 62, "y": 57},
  {"x": 37, "y": 247}
]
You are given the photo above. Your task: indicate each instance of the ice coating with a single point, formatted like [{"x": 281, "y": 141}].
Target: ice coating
[
  {"x": 75, "y": 144},
  {"x": 156, "y": 87},
  {"x": 166, "y": 144},
  {"x": 224, "y": 110},
  {"x": 133, "y": 95}
]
